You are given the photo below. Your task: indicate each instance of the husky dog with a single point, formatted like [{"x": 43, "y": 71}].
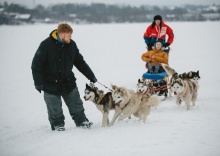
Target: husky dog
[
  {"x": 186, "y": 90},
  {"x": 172, "y": 74},
  {"x": 193, "y": 76},
  {"x": 152, "y": 87},
  {"x": 182, "y": 86},
  {"x": 147, "y": 102},
  {"x": 129, "y": 103},
  {"x": 103, "y": 102},
  {"x": 159, "y": 87},
  {"x": 142, "y": 86}
]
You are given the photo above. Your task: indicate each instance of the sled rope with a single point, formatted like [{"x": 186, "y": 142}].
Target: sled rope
[{"x": 159, "y": 88}]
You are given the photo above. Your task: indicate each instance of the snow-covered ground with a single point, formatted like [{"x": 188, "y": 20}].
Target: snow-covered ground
[{"x": 113, "y": 51}]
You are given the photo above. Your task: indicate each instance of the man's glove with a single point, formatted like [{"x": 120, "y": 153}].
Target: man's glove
[
  {"x": 166, "y": 45},
  {"x": 39, "y": 88},
  {"x": 93, "y": 80},
  {"x": 150, "y": 45}
]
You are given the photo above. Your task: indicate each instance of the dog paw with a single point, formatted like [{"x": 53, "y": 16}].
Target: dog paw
[
  {"x": 119, "y": 119},
  {"x": 178, "y": 103},
  {"x": 109, "y": 125}
]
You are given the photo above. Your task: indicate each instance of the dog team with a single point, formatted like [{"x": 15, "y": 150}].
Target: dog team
[
  {"x": 125, "y": 102},
  {"x": 52, "y": 73}
]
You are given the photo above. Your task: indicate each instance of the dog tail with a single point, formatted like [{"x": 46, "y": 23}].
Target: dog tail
[
  {"x": 170, "y": 71},
  {"x": 153, "y": 100}
]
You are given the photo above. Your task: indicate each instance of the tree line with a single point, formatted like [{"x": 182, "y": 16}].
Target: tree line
[{"x": 103, "y": 13}]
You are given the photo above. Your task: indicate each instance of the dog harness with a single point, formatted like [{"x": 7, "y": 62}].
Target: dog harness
[
  {"x": 100, "y": 99},
  {"x": 184, "y": 93}
]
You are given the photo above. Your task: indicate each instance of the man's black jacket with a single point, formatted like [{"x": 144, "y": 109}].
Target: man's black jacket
[{"x": 53, "y": 63}]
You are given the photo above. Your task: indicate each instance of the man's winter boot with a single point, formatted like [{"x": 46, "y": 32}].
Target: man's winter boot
[
  {"x": 86, "y": 124},
  {"x": 58, "y": 128}
]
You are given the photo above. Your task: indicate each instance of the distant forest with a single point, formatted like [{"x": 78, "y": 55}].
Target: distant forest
[{"x": 103, "y": 13}]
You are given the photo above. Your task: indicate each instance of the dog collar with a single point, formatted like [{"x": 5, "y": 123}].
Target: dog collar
[{"x": 125, "y": 105}]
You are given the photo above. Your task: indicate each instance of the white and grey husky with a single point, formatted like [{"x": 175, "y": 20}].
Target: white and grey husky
[
  {"x": 151, "y": 87},
  {"x": 192, "y": 75},
  {"x": 142, "y": 86},
  {"x": 184, "y": 87},
  {"x": 185, "y": 90},
  {"x": 131, "y": 103}
]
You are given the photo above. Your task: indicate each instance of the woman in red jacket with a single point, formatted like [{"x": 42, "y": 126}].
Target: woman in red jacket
[{"x": 158, "y": 31}]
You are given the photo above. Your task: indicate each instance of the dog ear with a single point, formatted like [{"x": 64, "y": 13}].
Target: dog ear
[
  {"x": 190, "y": 74},
  {"x": 114, "y": 87},
  {"x": 146, "y": 83},
  {"x": 141, "y": 80},
  {"x": 184, "y": 76},
  {"x": 121, "y": 90},
  {"x": 198, "y": 74},
  {"x": 87, "y": 86},
  {"x": 180, "y": 82},
  {"x": 176, "y": 76},
  {"x": 100, "y": 91}
]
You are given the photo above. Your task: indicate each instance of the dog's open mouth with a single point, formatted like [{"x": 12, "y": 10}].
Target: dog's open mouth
[
  {"x": 87, "y": 98},
  {"x": 118, "y": 103}
]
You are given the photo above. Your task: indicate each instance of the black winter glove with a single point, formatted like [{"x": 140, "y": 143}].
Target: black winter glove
[
  {"x": 93, "y": 80},
  {"x": 150, "y": 45},
  {"x": 39, "y": 88},
  {"x": 166, "y": 45}
]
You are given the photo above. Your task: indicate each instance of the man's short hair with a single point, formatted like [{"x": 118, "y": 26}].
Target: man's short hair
[{"x": 64, "y": 28}]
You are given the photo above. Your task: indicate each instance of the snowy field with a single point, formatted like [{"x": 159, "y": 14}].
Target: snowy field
[{"x": 113, "y": 52}]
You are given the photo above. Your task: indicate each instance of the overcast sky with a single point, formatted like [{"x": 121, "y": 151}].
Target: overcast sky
[{"x": 32, "y": 3}]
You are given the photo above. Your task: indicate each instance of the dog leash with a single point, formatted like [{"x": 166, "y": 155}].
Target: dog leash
[
  {"x": 160, "y": 88},
  {"x": 105, "y": 86}
]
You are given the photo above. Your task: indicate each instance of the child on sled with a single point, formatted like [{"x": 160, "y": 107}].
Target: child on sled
[{"x": 154, "y": 58}]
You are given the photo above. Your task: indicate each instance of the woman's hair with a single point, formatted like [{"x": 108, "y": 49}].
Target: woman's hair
[
  {"x": 64, "y": 28},
  {"x": 157, "y": 17}
]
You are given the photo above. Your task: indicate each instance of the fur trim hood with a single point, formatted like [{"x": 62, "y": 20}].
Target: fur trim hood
[{"x": 53, "y": 34}]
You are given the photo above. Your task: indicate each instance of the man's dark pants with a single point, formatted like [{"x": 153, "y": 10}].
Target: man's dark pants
[{"x": 74, "y": 104}]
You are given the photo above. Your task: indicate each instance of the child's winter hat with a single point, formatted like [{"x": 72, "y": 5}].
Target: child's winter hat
[
  {"x": 156, "y": 42},
  {"x": 159, "y": 41}
]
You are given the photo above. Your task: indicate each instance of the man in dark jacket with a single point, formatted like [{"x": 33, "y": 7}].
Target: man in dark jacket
[{"x": 52, "y": 73}]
